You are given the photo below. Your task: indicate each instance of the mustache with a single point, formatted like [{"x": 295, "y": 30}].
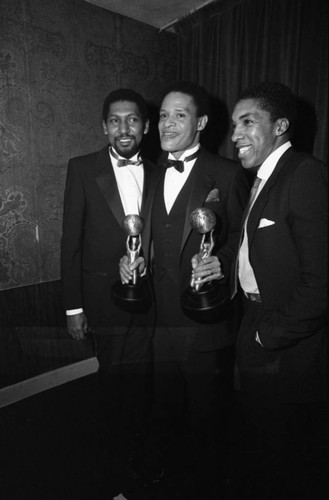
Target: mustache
[{"x": 126, "y": 136}]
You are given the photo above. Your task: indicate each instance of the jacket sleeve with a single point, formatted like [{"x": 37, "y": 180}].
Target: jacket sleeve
[
  {"x": 305, "y": 312},
  {"x": 72, "y": 237}
]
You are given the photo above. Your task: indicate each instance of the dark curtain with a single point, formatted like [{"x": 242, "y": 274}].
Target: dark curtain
[{"x": 233, "y": 44}]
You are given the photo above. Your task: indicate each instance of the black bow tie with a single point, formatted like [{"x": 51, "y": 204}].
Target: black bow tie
[
  {"x": 123, "y": 162},
  {"x": 179, "y": 164}
]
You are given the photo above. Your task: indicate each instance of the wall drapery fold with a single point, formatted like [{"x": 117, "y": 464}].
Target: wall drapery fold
[{"x": 238, "y": 43}]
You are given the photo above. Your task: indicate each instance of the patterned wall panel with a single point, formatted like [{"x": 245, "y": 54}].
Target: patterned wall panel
[{"x": 58, "y": 61}]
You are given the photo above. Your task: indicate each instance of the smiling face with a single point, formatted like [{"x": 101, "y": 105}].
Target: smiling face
[
  {"x": 179, "y": 125},
  {"x": 125, "y": 128},
  {"x": 254, "y": 134}
]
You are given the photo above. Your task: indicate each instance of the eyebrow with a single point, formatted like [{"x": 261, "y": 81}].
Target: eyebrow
[
  {"x": 123, "y": 114},
  {"x": 246, "y": 115},
  {"x": 185, "y": 110}
]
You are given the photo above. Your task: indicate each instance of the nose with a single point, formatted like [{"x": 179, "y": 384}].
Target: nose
[
  {"x": 237, "y": 134},
  {"x": 123, "y": 126},
  {"x": 168, "y": 121}
]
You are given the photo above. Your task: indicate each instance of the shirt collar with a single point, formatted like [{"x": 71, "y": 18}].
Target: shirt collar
[
  {"x": 269, "y": 164},
  {"x": 186, "y": 153}
]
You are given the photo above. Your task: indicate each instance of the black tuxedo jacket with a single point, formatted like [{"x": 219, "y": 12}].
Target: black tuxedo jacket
[
  {"x": 220, "y": 185},
  {"x": 287, "y": 237},
  {"x": 93, "y": 239}
]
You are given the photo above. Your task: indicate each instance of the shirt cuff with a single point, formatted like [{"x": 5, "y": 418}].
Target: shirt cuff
[
  {"x": 71, "y": 312},
  {"x": 143, "y": 273},
  {"x": 258, "y": 339}
]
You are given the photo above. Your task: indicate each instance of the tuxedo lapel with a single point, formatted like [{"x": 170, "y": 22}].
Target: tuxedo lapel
[
  {"x": 107, "y": 184},
  {"x": 202, "y": 183},
  {"x": 262, "y": 199},
  {"x": 151, "y": 176},
  {"x": 256, "y": 213},
  {"x": 148, "y": 187}
]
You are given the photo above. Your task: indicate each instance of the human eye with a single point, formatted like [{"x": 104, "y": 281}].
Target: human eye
[
  {"x": 162, "y": 115},
  {"x": 248, "y": 122},
  {"x": 113, "y": 120},
  {"x": 134, "y": 119}
]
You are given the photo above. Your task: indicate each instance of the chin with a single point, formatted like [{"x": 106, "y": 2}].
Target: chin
[
  {"x": 166, "y": 147},
  {"x": 246, "y": 164},
  {"x": 126, "y": 153}
]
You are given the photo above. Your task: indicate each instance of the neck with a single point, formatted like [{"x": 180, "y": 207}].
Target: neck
[{"x": 178, "y": 154}]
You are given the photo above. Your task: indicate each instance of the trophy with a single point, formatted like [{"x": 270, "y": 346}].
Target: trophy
[
  {"x": 203, "y": 301},
  {"x": 133, "y": 296}
]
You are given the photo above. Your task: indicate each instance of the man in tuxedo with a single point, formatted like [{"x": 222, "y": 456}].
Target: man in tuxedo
[
  {"x": 193, "y": 359},
  {"x": 281, "y": 275},
  {"x": 102, "y": 188}
]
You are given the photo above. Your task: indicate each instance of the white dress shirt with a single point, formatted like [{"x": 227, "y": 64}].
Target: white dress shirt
[
  {"x": 174, "y": 180},
  {"x": 130, "y": 180}
]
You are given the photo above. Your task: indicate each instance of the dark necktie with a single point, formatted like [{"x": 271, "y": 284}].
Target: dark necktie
[
  {"x": 179, "y": 164},
  {"x": 123, "y": 162},
  {"x": 252, "y": 196}
]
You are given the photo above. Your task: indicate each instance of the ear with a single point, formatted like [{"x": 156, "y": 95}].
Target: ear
[
  {"x": 104, "y": 128},
  {"x": 282, "y": 126},
  {"x": 146, "y": 126},
  {"x": 202, "y": 122}
]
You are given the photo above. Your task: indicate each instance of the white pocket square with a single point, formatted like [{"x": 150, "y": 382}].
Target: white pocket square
[
  {"x": 265, "y": 223},
  {"x": 213, "y": 196}
]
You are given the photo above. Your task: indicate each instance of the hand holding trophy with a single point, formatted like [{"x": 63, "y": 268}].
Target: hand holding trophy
[
  {"x": 203, "y": 221},
  {"x": 132, "y": 296},
  {"x": 202, "y": 300},
  {"x": 133, "y": 225}
]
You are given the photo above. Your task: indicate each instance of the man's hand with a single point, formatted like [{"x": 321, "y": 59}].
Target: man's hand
[
  {"x": 207, "y": 269},
  {"x": 126, "y": 269},
  {"x": 77, "y": 325}
]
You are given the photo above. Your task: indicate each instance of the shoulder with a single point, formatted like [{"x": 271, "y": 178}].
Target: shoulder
[
  {"x": 88, "y": 164},
  {"x": 89, "y": 158},
  {"x": 301, "y": 178},
  {"x": 224, "y": 171},
  {"x": 217, "y": 162},
  {"x": 302, "y": 164}
]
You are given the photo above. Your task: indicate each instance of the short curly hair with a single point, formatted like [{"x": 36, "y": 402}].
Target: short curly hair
[
  {"x": 129, "y": 95},
  {"x": 199, "y": 95},
  {"x": 275, "y": 98}
]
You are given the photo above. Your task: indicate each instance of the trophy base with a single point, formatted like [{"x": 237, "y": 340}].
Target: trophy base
[
  {"x": 132, "y": 298},
  {"x": 206, "y": 305}
]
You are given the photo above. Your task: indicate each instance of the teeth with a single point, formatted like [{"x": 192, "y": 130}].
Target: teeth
[{"x": 244, "y": 149}]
